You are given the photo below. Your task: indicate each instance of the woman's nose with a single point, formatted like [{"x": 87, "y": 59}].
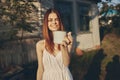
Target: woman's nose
[{"x": 53, "y": 21}]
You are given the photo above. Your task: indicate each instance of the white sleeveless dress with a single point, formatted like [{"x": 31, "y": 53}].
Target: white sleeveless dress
[{"x": 54, "y": 68}]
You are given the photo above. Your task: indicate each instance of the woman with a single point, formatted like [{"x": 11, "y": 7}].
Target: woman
[{"x": 53, "y": 59}]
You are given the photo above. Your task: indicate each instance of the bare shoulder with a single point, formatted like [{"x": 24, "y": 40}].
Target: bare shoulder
[{"x": 40, "y": 45}]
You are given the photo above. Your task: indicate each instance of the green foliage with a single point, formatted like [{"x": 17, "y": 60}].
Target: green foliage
[
  {"x": 104, "y": 8},
  {"x": 114, "y": 26},
  {"x": 16, "y": 13}
]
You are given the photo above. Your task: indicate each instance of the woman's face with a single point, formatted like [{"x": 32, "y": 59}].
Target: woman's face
[{"x": 53, "y": 22}]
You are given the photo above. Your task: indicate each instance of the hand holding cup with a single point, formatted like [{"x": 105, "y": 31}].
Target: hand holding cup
[
  {"x": 62, "y": 37},
  {"x": 68, "y": 40}
]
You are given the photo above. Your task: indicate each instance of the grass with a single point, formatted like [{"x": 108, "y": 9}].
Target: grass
[
  {"x": 80, "y": 64},
  {"x": 111, "y": 45}
]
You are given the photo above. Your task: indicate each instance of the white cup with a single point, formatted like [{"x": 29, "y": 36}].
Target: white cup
[{"x": 58, "y": 36}]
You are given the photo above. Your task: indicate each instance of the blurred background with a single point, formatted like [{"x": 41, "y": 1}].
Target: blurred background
[{"x": 95, "y": 26}]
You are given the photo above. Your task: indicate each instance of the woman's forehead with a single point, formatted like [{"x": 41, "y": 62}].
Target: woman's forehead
[{"x": 52, "y": 15}]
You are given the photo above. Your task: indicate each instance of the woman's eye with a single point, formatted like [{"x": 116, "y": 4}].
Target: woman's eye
[{"x": 50, "y": 20}]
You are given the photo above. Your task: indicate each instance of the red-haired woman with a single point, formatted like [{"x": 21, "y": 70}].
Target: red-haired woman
[{"x": 53, "y": 59}]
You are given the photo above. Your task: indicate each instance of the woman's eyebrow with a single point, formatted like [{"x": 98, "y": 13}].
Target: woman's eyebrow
[{"x": 52, "y": 18}]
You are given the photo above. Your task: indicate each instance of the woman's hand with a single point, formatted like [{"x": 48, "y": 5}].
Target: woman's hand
[{"x": 68, "y": 40}]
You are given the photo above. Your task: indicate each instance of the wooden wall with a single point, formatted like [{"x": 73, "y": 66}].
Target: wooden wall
[{"x": 18, "y": 53}]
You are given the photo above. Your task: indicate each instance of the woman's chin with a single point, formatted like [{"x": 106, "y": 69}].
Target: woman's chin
[{"x": 54, "y": 30}]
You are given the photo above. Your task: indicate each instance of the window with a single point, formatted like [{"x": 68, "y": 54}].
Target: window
[
  {"x": 83, "y": 16},
  {"x": 65, "y": 9}
]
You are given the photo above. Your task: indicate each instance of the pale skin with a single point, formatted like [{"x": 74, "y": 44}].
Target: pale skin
[{"x": 65, "y": 46}]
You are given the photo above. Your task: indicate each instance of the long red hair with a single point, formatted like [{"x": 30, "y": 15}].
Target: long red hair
[{"x": 47, "y": 34}]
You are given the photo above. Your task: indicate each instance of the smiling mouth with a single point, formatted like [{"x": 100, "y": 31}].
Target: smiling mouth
[{"x": 54, "y": 26}]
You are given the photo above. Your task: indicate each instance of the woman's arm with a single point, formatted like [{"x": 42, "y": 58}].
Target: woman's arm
[
  {"x": 39, "y": 51},
  {"x": 66, "y": 49},
  {"x": 65, "y": 55}
]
